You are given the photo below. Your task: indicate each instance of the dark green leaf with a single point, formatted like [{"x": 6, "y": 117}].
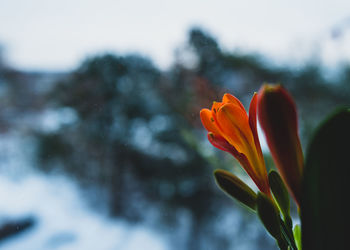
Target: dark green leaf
[
  {"x": 236, "y": 188},
  {"x": 324, "y": 211},
  {"x": 269, "y": 215},
  {"x": 280, "y": 192}
]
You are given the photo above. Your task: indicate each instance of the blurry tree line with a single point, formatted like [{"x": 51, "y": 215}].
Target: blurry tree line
[{"x": 136, "y": 134}]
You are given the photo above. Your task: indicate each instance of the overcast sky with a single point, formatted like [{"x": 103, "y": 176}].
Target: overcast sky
[{"x": 43, "y": 34}]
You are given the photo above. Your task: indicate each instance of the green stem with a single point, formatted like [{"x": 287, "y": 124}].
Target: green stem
[
  {"x": 288, "y": 234},
  {"x": 282, "y": 244}
]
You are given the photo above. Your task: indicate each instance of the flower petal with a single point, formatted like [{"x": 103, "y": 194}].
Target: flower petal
[
  {"x": 208, "y": 121},
  {"x": 220, "y": 143},
  {"x": 235, "y": 126},
  {"x": 214, "y": 109},
  {"x": 253, "y": 122},
  {"x": 228, "y": 98}
]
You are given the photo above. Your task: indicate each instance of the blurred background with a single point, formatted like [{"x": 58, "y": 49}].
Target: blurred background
[{"x": 101, "y": 146}]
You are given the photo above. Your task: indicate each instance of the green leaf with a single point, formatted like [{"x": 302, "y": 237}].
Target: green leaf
[
  {"x": 281, "y": 196},
  {"x": 269, "y": 215},
  {"x": 287, "y": 232},
  {"x": 280, "y": 193},
  {"x": 326, "y": 186},
  {"x": 297, "y": 235},
  {"x": 236, "y": 188}
]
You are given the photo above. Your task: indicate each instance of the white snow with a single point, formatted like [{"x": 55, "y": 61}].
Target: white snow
[{"x": 63, "y": 220}]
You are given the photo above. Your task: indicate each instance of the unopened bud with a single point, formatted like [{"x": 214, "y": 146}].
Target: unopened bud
[{"x": 236, "y": 188}]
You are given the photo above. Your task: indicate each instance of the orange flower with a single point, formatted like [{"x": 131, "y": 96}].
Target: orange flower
[
  {"x": 231, "y": 130},
  {"x": 278, "y": 119}
]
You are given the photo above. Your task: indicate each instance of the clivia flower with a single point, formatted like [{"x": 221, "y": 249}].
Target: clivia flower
[
  {"x": 232, "y": 130},
  {"x": 278, "y": 119}
]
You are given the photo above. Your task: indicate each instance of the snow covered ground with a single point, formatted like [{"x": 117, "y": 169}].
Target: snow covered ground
[{"x": 63, "y": 221}]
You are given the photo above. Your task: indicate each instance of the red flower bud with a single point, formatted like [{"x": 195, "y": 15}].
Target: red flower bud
[{"x": 278, "y": 119}]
